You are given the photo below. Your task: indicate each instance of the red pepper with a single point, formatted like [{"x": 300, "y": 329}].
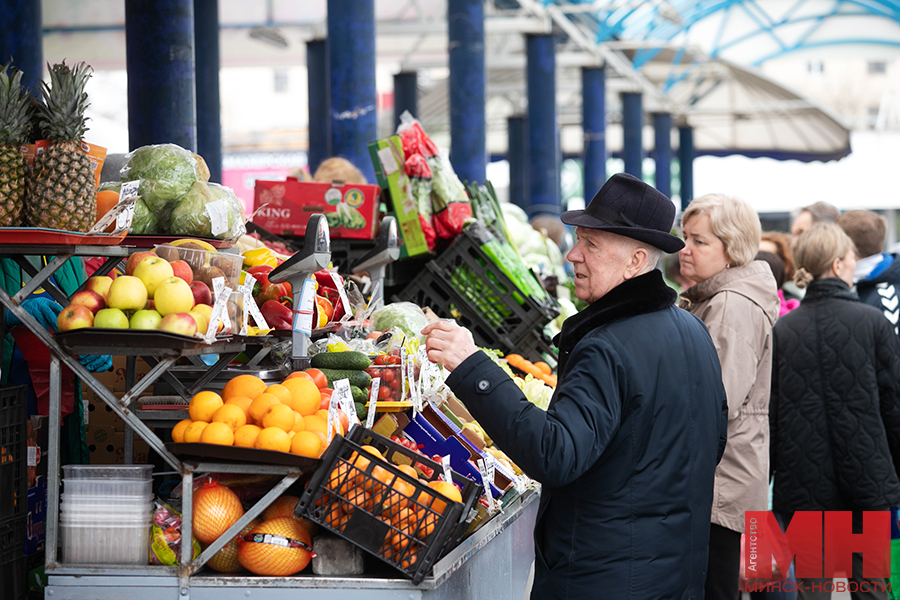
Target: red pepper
[
  {"x": 277, "y": 315},
  {"x": 328, "y": 289},
  {"x": 261, "y": 273},
  {"x": 274, "y": 291}
]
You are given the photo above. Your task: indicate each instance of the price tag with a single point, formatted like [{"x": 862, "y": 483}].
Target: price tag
[
  {"x": 303, "y": 316},
  {"x": 31, "y": 459},
  {"x": 373, "y": 399},
  {"x": 445, "y": 463},
  {"x": 218, "y": 217},
  {"x": 404, "y": 388},
  {"x": 336, "y": 279},
  {"x": 338, "y": 402},
  {"x": 122, "y": 213},
  {"x": 219, "y": 311},
  {"x": 413, "y": 384},
  {"x": 519, "y": 483},
  {"x": 487, "y": 476},
  {"x": 250, "y": 308}
]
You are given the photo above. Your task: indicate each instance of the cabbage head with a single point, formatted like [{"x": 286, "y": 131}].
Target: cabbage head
[
  {"x": 166, "y": 171},
  {"x": 145, "y": 221},
  {"x": 208, "y": 210}
]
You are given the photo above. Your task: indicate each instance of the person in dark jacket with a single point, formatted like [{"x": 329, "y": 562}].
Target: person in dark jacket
[
  {"x": 877, "y": 273},
  {"x": 835, "y": 405},
  {"x": 628, "y": 447}
]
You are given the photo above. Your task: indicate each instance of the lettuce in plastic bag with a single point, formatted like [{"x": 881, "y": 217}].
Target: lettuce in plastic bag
[
  {"x": 404, "y": 315},
  {"x": 166, "y": 171},
  {"x": 145, "y": 220},
  {"x": 208, "y": 210}
]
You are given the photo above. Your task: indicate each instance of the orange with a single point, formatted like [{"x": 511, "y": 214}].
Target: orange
[
  {"x": 244, "y": 385},
  {"x": 305, "y": 395},
  {"x": 242, "y": 402},
  {"x": 261, "y": 404},
  {"x": 306, "y": 443},
  {"x": 273, "y": 559},
  {"x": 280, "y": 416},
  {"x": 298, "y": 422},
  {"x": 193, "y": 431},
  {"x": 321, "y": 436},
  {"x": 245, "y": 436},
  {"x": 298, "y": 374},
  {"x": 284, "y": 394},
  {"x": 273, "y": 438},
  {"x": 544, "y": 367},
  {"x": 203, "y": 405},
  {"x": 442, "y": 487},
  {"x": 318, "y": 377},
  {"x": 106, "y": 199},
  {"x": 217, "y": 433},
  {"x": 232, "y": 415},
  {"x": 315, "y": 423},
  {"x": 178, "y": 430}
]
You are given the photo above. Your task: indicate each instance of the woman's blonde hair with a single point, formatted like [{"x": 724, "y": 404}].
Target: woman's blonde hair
[
  {"x": 817, "y": 250},
  {"x": 731, "y": 220},
  {"x": 338, "y": 169}
]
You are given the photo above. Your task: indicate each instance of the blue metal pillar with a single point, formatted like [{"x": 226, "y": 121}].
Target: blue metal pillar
[
  {"x": 406, "y": 95},
  {"x": 319, "y": 103},
  {"x": 159, "y": 45},
  {"x": 632, "y": 139},
  {"x": 209, "y": 124},
  {"x": 517, "y": 154},
  {"x": 543, "y": 133},
  {"x": 593, "y": 123},
  {"x": 351, "y": 63},
  {"x": 686, "y": 164},
  {"x": 465, "y": 28},
  {"x": 22, "y": 40},
  {"x": 662, "y": 130}
]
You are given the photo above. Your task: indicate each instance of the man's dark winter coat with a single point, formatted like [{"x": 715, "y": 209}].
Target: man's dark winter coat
[
  {"x": 834, "y": 412},
  {"x": 626, "y": 451},
  {"x": 883, "y": 292}
]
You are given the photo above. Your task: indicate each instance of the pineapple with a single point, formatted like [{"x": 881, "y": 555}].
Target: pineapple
[
  {"x": 14, "y": 125},
  {"x": 61, "y": 194}
]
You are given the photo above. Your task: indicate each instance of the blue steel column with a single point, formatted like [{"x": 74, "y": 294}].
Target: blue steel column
[
  {"x": 662, "y": 130},
  {"x": 209, "y": 124},
  {"x": 593, "y": 122},
  {"x": 351, "y": 63},
  {"x": 21, "y": 39},
  {"x": 632, "y": 140},
  {"x": 465, "y": 29},
  {"x": 543, "y": 133},
  {"x": 159, "y": 43},
  {"x": 517, "y": 154},
  {"x": 406, "y": 95},
  {"x": 686, "y": 164},
  {"x": 319, "y": 103}
]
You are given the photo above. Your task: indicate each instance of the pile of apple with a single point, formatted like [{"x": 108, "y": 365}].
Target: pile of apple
[{"x": 153, "y": 294}]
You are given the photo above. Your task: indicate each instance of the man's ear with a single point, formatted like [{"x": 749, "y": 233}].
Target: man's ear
[{"x": 637, "y": 259}]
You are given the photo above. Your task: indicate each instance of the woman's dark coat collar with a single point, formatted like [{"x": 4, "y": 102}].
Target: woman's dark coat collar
[{"x": 830, "y": 287}]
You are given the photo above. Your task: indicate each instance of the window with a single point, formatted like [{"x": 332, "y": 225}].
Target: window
[
  {"x": 281, "y": 80},
  {"x": 877, "y": 67}
]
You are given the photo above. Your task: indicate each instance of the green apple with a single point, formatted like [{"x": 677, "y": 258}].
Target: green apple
[
  {"x": 145, "y": 319},
  {"x": 112, "y": 318}
]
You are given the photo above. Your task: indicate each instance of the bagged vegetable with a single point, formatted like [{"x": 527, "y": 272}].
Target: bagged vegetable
[
  {"x": 208, "y": 210},
  {"x": 145, "y": 221},
  {"x": 166, "y": 171},
  {"x": 165, "y": 539},
  {"x": 404, "y": 315},
  {"x": 420, "y": 187}
]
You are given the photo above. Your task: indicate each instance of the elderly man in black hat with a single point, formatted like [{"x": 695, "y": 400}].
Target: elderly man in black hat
[{"x": 627, "y": 449}]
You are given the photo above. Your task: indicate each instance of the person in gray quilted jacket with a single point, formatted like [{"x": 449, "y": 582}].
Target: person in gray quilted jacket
[{"x": 834, "y": 412}]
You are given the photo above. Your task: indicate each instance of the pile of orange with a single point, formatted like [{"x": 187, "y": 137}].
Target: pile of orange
[
  {"x": 285, "y": 417},
  {"x": 539, "y": 370}
]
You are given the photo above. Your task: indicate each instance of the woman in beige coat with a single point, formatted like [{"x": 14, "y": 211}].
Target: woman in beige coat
[{"x": 737, "y": 298}]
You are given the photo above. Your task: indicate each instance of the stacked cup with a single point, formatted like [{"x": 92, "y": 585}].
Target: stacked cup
[{"x": 105, "y": 514}]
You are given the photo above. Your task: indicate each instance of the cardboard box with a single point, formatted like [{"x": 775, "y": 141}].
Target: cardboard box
[
  {"x": 114, "y": 379},
  {"x": 388, "y": 158},
  {"x": 107, "y": 446},
  {"x": 284, "y": 207}
]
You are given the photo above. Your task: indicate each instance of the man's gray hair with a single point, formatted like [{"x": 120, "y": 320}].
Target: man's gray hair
[{"x": 821, "y": 212}]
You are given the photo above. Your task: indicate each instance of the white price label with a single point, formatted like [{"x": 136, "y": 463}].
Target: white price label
[
  {"x": 373, "y": 400},
  {"x": 445, "y": 474},
  {"x": 303, "y": 316},
  {"x": 486, "y": 479},
  {"x": 388, "y": 163},
  {"x": 32, "y": 457},
  {"x": 340, "y": 400},
  {"x": 404, "y": 387},
  {"x": 218, "y": 217},
  {"x": 219, "y": 311}
]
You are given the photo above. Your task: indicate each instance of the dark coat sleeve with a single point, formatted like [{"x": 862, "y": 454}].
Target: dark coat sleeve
[
  {"x": 887, "y": 354},
  {"x": 723, "y": 427},
  {"x": 773, "y": 405},
  {"x": 555, "y": 446}
]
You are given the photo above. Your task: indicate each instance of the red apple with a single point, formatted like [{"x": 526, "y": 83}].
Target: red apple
[
  {"x": 135, "y": 259},
  {"x": 99, "y": 284},
  {"x": 151, "y": 305},
  {"x": 75, "y": 316},
  {"x": 182, "y": 323},
  {"x": 201, "y": 292},
  {"x": 90, "y": 299},
  {"x": 183, "y": 270}
]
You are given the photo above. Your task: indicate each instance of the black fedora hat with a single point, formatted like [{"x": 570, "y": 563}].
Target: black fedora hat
[{"x": 627, "y": 206}]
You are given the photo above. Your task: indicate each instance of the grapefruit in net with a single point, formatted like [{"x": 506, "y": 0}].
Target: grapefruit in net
[
  {"x": 278, "y": 557},
  {"x": 284, "y": 507},
  {"x": 216, "y": 508},
  {"x": 226, "y": 559}
]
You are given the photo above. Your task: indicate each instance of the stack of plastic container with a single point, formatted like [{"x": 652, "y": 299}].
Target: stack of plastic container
[{"x": 105, "y": 514}]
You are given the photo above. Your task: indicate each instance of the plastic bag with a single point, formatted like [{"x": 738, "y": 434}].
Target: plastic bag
[
  {"x": 166, "y": 171},
  {"x": 165, "y": 539},
  {"x": 208, "y": 210},
  {"x": 404, "y": 315}
]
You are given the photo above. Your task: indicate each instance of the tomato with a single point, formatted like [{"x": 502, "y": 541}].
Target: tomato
[
  {"x": 318, "y": 378},
  {"x": 394, "y": 360},
  {"x": 326, "y": 398},
  {"x": 384, "y": 393},
  {"x": 379, "y": 360},
  {"x": 387, "y": 375},
  {"x": 373, "y": 372},
  {"x": 394, "y": 384}
]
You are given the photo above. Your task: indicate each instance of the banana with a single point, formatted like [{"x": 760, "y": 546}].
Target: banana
[{"x": 206, "y": 245}]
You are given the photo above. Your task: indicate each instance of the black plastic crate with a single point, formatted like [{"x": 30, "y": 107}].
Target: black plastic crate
[
  {"x": 13, "y": 451},
  {"x": 12, "y": 560},
  {"x": 536, "y": 346},
  {"x": 375, "y": 506}
]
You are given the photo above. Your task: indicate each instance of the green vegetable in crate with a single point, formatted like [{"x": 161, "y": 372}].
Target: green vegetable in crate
[
  {"x": 360, "y": 379},
  {"x": 506, "y": 259},
  {"x": 341, "y": 360}
]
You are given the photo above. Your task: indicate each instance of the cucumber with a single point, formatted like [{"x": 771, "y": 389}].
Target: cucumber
[
  {"x": 361, "y": 411},
  {"x": 356, "y": 361},
  {"x": 360, "y": 379},
  {"x": 359, "y": 394}
]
